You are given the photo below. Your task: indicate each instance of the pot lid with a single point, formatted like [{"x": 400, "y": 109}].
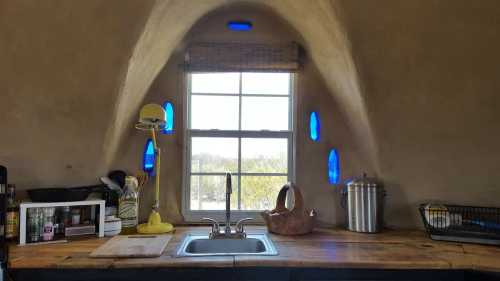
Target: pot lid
[{"x": 363, "y": 181}]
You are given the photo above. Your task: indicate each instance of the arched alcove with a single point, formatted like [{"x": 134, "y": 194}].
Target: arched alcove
[
  {"x": 312, "y": 94},
  {"x": 322, "y": 34}
]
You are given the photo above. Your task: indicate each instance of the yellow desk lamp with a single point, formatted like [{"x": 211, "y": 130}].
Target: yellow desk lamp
[{"x": 152, "y": 118}]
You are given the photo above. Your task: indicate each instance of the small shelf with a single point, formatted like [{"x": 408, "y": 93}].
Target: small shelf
[{"x": 23, "y": 211}]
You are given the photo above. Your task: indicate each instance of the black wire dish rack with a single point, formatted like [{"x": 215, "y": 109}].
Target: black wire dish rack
[{"x": 462, "y": 223}]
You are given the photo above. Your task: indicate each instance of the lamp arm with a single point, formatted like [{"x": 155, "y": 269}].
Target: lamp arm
[{"x": 157, "y": 170}]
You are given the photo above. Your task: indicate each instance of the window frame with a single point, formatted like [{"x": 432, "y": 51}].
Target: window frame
[{"x": 219, "y": 215}]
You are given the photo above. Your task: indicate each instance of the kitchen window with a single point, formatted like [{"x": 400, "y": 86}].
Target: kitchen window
[{"x": 238, "y": 122}]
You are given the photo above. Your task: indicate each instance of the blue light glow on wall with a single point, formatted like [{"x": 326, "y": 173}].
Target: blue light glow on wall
[
  {"x": 148, "y": 160},
  {"x": 169, "y": 116},
  {"x": 239, "y": 25},
  {"x": 333, "y": 167},
  {"x": 314, "y": 126}
]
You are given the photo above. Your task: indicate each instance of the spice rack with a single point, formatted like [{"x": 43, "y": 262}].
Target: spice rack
[{"x": 23, "y": 211}]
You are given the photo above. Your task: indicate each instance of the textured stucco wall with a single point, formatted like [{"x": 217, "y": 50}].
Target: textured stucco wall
[
  {"x": 430, "y": 72},
  {"x": 61, "y": 66},
  {"x": 415, "y": 82}
]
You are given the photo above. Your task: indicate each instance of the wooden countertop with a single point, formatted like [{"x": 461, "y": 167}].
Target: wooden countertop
[{"x": 325, "y": 248}]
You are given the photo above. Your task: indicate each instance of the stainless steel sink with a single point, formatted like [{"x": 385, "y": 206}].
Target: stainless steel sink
[{"x": 201, "y": 245}]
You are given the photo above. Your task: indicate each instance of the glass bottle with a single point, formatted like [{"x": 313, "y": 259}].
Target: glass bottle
[
  {"x": 128, "y": 206},
  {"x": 58, "y": 221},
  {"x": 75, "y": 216},
  {"x": 48, "y": 224},
  {"x": 3, "y": 186},
  {"x": 12, "y": 215},
  {"x": 66, "y": 217},
  {"x": 35, "y": 224}
]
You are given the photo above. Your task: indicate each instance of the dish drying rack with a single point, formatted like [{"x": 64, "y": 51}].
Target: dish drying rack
[{"x": 465, "y": 224}]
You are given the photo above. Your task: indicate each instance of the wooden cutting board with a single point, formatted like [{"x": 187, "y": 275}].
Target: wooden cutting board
[{"x": 133, "y": 246}]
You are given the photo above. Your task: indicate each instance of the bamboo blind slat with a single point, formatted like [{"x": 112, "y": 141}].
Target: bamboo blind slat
[{"x": 236, "y": 57}]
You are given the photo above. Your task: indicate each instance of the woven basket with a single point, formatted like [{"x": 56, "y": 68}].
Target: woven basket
[{"x": 290, "y": 222}]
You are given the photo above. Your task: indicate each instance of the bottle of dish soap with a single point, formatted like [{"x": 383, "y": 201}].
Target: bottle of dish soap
[{"x": 128, "y": 206}]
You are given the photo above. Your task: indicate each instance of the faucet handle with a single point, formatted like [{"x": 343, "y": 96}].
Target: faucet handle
[
  {"x": 240, "y": 225},
  {"x": 215, "y": 224}
]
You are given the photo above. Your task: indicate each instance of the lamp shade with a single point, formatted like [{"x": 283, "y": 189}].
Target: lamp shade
[{"x": 152, "y": 116}]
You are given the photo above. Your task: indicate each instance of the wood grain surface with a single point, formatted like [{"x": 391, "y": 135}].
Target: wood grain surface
[
  {"x": 132, "y": 246},
  {"x": 324, "y": 248}
]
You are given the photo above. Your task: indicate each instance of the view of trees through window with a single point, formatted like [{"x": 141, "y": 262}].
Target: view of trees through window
[{"x": 238, "y": 123}]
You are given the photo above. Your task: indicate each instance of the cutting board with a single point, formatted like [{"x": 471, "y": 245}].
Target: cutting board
[{"x": 133, "y": 246}]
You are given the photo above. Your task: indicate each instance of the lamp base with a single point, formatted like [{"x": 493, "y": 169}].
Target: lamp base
[{"x": 154, "y": 225}]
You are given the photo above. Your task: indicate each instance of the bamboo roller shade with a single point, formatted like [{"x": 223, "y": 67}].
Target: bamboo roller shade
[{"x": 238, "y": 57}]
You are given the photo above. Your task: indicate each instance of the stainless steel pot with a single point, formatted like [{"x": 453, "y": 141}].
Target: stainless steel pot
[{"x": 363, "y": 201}]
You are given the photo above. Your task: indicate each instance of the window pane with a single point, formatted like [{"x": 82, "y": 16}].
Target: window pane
[
  {"x": 214, "y": 112},
  {"x": 260, "y": 193},
  {"x": 212, "y": 155},
  {"x": 266, "y": 83},
  {"x": 264, "y": 113},
  {"x": 209, "y": 193},
  {"x": 264, "y": 155},
  {"x": 215, "y": 83}
]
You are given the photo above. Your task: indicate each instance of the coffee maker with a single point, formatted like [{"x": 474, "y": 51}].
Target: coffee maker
[{"x": 3, "y": 211}]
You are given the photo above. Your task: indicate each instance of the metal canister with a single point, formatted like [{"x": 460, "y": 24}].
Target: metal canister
[{"x": 363, "y": 201}]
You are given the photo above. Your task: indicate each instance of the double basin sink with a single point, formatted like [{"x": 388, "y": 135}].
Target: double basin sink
[{"x": 201, "y": 245}]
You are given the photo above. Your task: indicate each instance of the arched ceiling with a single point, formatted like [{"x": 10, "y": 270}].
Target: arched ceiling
[{"x": 318, "y": 23}]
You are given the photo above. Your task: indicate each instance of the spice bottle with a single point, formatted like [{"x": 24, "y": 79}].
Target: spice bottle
[
  {"x": 3, "y": 187},
  {"x": 12, "y": 215},
  {"x": 48, "y": 223},
  {"x": 66, "y": 216},
  {"x": 128, "y": 206},
  {"x": 75, "y": 216},
  {"x": 35, "y": 224}
]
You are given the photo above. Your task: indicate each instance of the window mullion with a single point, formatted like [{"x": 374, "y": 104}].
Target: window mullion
[{"x": 239, "y": 143}]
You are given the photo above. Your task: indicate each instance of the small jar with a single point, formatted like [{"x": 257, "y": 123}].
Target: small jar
[
  {"x": 66, "y": 216},
  {"x": 75, "y": 216},
  {"x": 48, "y": 224}
]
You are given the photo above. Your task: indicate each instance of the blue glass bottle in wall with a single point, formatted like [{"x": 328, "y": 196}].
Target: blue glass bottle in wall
[
  {"x": 314, "y": 126},
  {"x": 333, "y": 167},
  {"x": 169, "y": 116},
  {"x": 239, "y": 25},
  {"x": 148, "y": 159}
]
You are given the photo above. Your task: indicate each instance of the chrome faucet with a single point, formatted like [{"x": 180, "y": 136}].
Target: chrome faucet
[
  {"x": 229, "y": 190},
  {"x": 239, "y": 231}
]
